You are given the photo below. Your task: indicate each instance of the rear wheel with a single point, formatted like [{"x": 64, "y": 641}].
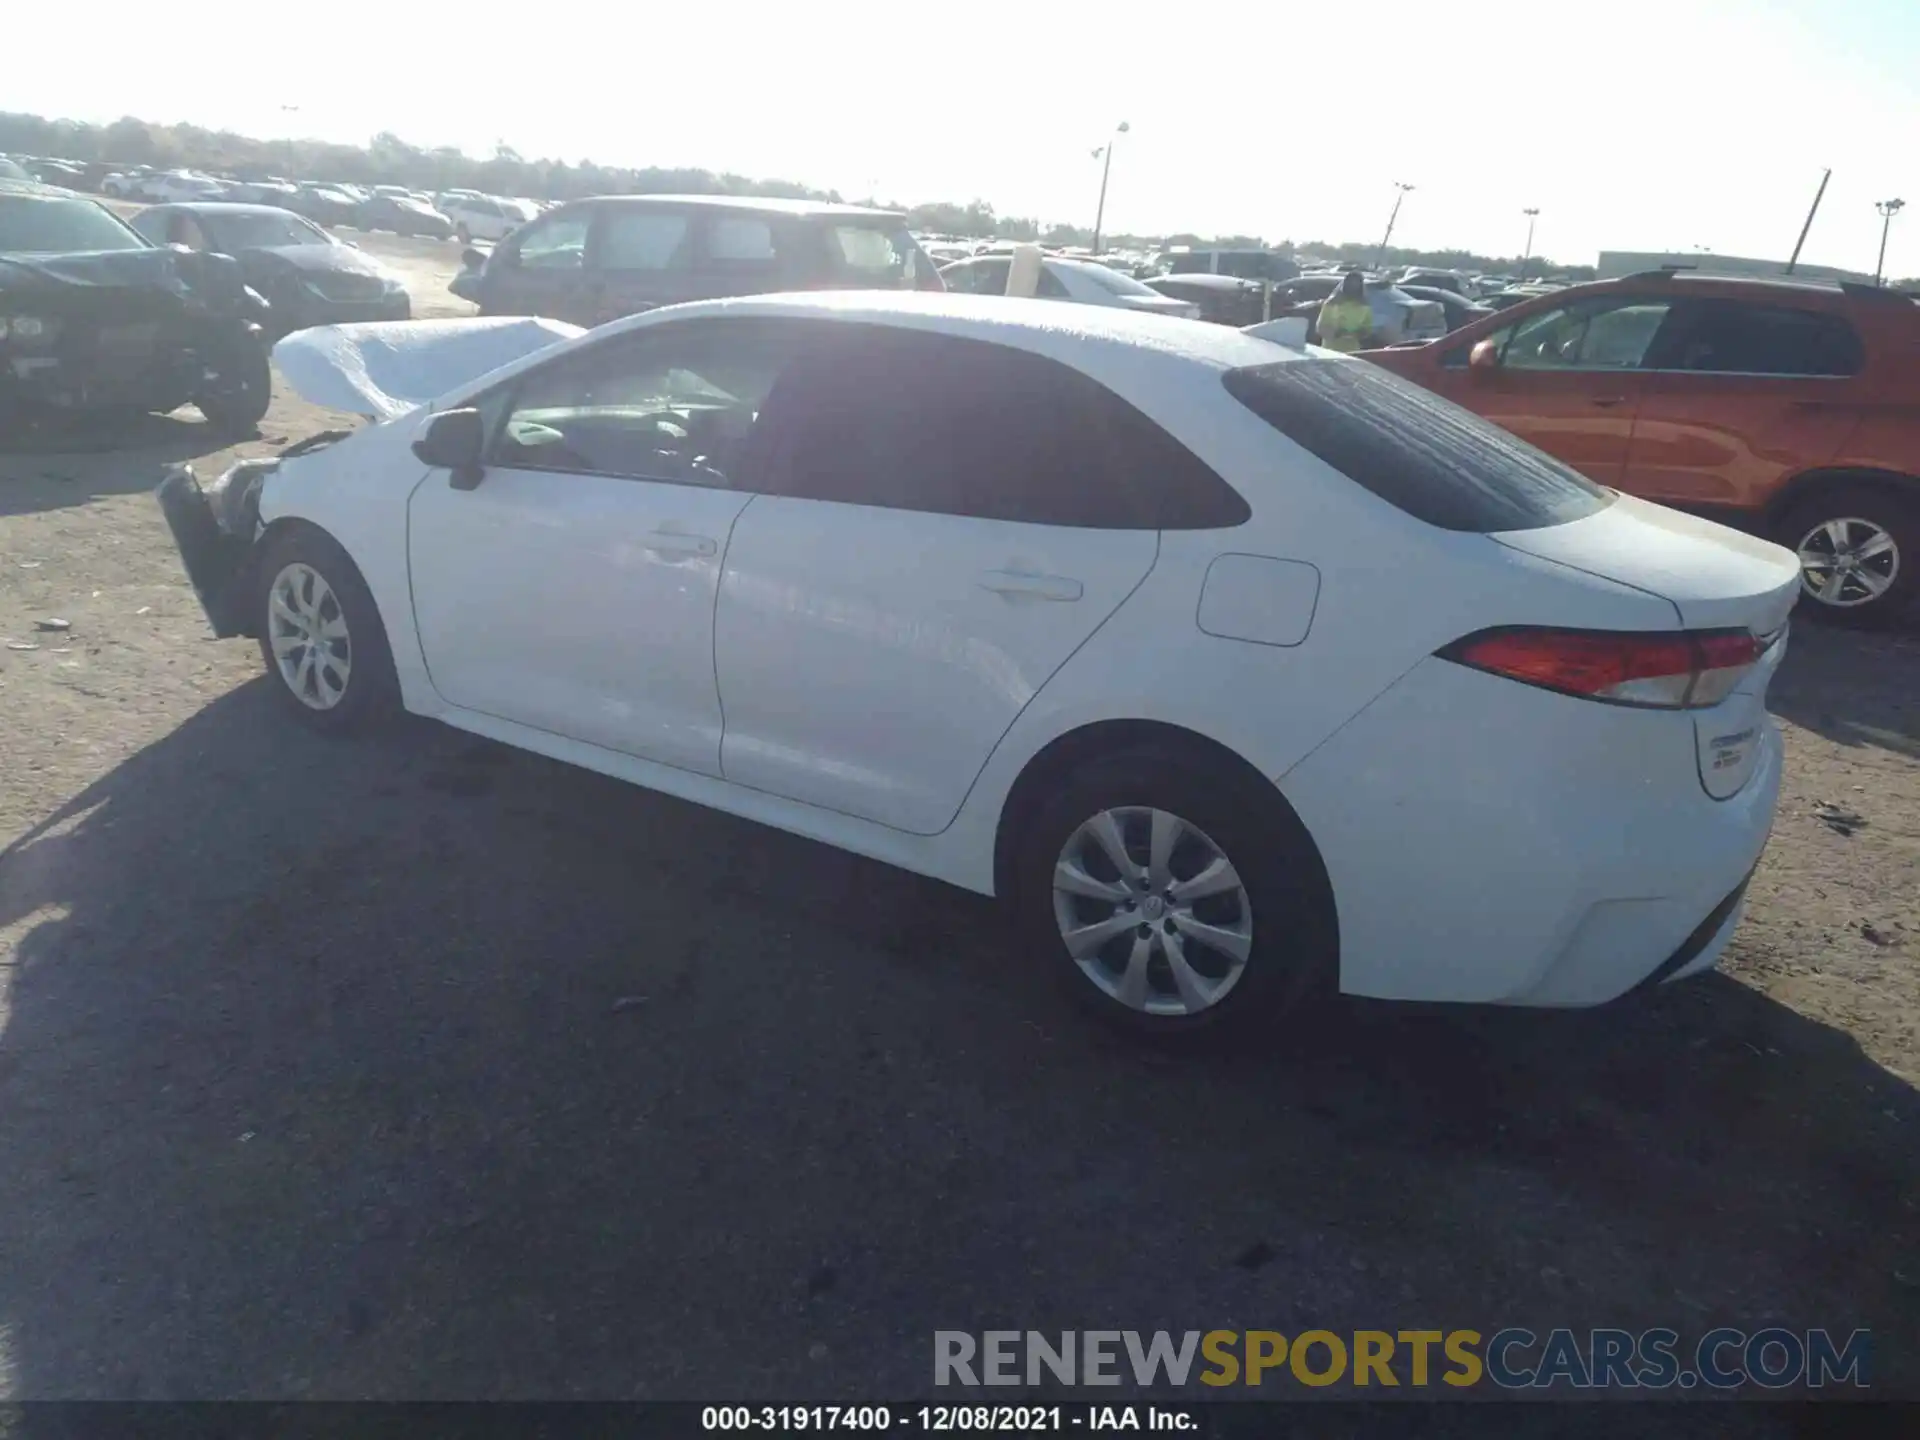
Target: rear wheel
[
  {"x": 321, "y": 634},
  {"x": 1859, "y": 549},
  {"x": 1169, "y": 899}
]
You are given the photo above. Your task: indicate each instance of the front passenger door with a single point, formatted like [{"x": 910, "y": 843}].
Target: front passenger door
[
  {"x": 541, "y": 271},
  {"x": 1569, "y": 379}
]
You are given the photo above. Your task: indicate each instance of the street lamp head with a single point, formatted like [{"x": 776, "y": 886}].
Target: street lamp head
[
  {"x": 1122, "y": 128},
  {"x": 1531, "y": 210}
]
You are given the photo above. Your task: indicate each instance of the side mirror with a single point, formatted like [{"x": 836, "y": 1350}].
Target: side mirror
[
  {"x": 473, "y": 259},
  {"x": 452, "y": 440},
  {"x": 1484, "y": 358}
]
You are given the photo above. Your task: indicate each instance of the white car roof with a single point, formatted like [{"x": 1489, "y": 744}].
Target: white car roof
[{"x": 1093, "y": 338}]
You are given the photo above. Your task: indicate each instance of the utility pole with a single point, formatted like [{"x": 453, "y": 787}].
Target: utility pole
[
  {"x": 1403, "y": 188},
  {"x": 1888, "y": 209},
  {"x": 1532, "y": 213},
  {"x": 1794, "y": 260},
  {"x": 1105, "y": 152}
]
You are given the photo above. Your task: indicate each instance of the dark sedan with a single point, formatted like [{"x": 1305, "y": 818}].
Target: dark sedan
[
  {"x": 1223, "y": 299},
  {"x": 308, "y": 276},
  {"x": 403, "y": 216}
]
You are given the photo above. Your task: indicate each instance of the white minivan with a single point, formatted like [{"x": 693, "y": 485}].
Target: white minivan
[{"x": 485, "y": 217}]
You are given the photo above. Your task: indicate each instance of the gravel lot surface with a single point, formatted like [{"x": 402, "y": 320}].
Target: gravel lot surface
[{"x": 418, "y": 1067}]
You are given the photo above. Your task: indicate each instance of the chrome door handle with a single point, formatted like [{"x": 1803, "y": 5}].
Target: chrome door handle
[
  {"x": 666, "y": 542},
  {"x": 1037, "y": 587}
]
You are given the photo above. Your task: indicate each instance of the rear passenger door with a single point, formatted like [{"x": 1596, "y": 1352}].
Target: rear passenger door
[
  {"x": 939, "y": 524},
  {"x": 640, "y": 258},
  {"x": 1739, "y": 396}
]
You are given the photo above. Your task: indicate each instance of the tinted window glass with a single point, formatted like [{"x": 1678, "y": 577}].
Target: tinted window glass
[
  {"x": 1603, "y": 334},
  {"x": 1050, "y": 286},
  {"x": 1414, "y": 450},
  {"x": 962, "y": 427},
  {"x": 643, "y": 240},
  {"x": 1733, "y": 337},
  {"x": 675, "y": 404},
  {"x": 880, "y": 257},
  {"x": 35, "y": 225},
  {"x": 559, "y": 243}
]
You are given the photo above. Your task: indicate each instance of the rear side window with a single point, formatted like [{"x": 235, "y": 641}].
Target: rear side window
[
  {"x": 918, "y": 421},
  {"x": 1419, "y": 453},
  {"x": 1732, "y": 337}
]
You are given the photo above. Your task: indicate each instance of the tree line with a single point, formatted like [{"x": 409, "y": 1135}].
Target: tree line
[{"x": 389, "y": 160}]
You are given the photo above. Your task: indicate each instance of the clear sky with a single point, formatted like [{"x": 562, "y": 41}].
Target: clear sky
[{"x": 1632, "y": 124}]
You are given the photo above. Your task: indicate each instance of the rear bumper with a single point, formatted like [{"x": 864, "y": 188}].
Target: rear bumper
[{"x": 1495, "y": 843}]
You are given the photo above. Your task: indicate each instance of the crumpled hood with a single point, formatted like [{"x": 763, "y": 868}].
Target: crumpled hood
[
  {"x": 96, "y": 276},
  {"x": 386, "y": 368}
]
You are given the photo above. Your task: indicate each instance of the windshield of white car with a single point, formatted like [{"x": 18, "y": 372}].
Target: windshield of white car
[
  {"x": 247, "y": 230},
  {"x": 1418, "y": 452},
  {"x": 42, "y": 225},
  {"x": 1110, "y": 279}
]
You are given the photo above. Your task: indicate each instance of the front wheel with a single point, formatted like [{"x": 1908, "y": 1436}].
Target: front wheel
[
  {"x": 1169, "y": 896},
  {"x": 239, "y": 391},
  {"x": 321, "y": 634},
  {"x": 1859, "y": 549}
]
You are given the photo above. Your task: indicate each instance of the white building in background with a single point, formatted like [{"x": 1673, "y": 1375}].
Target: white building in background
[{"x": 1615, "y": 263}]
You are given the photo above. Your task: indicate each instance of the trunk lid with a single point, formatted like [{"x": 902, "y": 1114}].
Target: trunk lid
[{"x": 1717, "y": 579}]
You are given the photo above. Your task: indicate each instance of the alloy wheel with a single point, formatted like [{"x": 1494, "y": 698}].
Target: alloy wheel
[
  {"x": 1152, "y": 911},
  {"x": 307, "y": 631},
  {"x": 1848, "y": 561}
]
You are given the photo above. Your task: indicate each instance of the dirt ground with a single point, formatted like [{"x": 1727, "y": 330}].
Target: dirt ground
[{"x": 419, "y": 1067}]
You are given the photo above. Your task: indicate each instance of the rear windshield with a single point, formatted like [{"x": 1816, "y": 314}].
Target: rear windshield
[
  {"x": 880, "y": 257},
  {"x": 1419, "y": 453}
]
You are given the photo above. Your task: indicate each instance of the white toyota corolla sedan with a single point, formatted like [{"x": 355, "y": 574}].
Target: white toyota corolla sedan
[{"x": 1238, "y": 671}]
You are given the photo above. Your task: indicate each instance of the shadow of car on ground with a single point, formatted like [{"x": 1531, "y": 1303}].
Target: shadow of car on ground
[
  {"x": 58, "y": 460},
  {"x": 415, "y": 1066}
]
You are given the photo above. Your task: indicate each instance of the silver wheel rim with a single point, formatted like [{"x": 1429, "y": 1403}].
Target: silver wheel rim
[
  {"x": 1152, "y": 911},
  {"x": 1848, "y": 561},
  {"x": 307, "y": 631}
]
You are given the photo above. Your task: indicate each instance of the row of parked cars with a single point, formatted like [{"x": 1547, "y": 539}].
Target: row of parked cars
[{"x": 1781, "y": 405}]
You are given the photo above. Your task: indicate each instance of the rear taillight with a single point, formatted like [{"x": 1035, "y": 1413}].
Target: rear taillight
[{"x": 1670, "y": 670}]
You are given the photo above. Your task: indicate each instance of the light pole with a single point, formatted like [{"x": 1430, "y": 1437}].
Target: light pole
[
  {"x": 1532, "y": 213},
  {"x": 1888, "y": 209},
  {"x": 1105, "y": 155},
  {"x": 1403, "y": 188}
]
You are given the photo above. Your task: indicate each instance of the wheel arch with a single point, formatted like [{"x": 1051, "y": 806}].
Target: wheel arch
[
  {"x": 247, "y": 583},
  {"x": 1083, "y": 744},
  {"x": 1796, "y": 491}
]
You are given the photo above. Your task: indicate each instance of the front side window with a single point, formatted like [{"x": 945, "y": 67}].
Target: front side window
[
  {"x": 558, "y": 243},
  {"x": 1606, "y": 334},
  {"x": 643, "y": 240},
  {"x": 674, "y": 404},
  {"x": 879, "y": 257},
  {"x": 1733, "y": 337},
  {"x": 916, "y": 421}
]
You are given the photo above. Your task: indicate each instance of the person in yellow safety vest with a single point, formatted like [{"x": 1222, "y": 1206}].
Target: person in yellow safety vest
[{"x": 1346, "y": 320}]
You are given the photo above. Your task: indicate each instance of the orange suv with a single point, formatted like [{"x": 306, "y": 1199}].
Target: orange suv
[{"x": 1788, "y": 409}]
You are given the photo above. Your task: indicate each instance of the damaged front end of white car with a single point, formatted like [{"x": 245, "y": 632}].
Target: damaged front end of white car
[{"x": 381, "y": 371}]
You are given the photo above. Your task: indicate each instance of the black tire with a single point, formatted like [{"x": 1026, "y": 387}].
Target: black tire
[
  {"x": 239, "y": 396},
  {"x": 1892, "y": 511},
  {"x": 371, "y": 693},
  {"x": 1294, "y": 954}
]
